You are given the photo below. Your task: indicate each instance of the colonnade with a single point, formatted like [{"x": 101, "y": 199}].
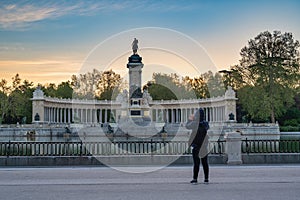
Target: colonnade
[
  {"x": 181, "y": 115},
  {"x": 54, "y": 110},
  {"x": 78, "y": 115},
  {"x": 172, "y": 114}
]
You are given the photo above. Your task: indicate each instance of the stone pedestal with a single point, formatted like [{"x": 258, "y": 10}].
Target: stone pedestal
[
  {"x": 233, "y": 148},
  {"x": 38, "y": 102}
]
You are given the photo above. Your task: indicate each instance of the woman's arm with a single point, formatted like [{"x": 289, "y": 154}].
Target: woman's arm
[{"x": 191, "y": 124}]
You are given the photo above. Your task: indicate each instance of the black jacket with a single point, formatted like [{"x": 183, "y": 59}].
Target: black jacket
[{"x": 199, "y": 132}]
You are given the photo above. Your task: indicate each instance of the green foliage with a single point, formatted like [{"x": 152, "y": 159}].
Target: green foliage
[
  {"x": 96, "y": 84},
  {"x": 64, "y": 90},
  {"x": 167, "y": 87},
  {"x": 19, "y": 104},
  {"x": 214, "y": 84},
  {"x": 109, "y": 85},
  {"x": 291, "y": 117},
  {"x": 267, "y": 75},
  {"x": 164, "y": 86},
  {"x": 289, "y": 128},
  {"x": 84, "y": 85},
  {"x": 291, "y": 122},
  {"x": 198, "y": 85},
  {"x": 254, "y": 101},
  {"x": 3, "y": 106},
  {"x": 160, "y": 92},
  {"x": 49, "y": 90}
]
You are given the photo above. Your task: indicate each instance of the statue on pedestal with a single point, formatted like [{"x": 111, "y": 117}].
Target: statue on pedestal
[
  {"x": 135, "y": 46},
  {"x": 134, "y": 58}
]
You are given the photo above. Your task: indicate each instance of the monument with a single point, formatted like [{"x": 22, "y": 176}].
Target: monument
[
  {"x": 135, "y": 66},
  {"x": 135, "y": 112},
  {"x": 135, "y": 115}
]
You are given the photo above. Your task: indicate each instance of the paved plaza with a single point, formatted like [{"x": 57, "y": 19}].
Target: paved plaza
[{"x": 226, "y": 182}]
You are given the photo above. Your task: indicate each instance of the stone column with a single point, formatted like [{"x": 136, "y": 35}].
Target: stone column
[
  {"x": 100, "y": 115},
  {"x": 75, "y": 114},
  {"x": 105, "y": 115},
  {"x": 233, "y": 148},
  {"x": 173, "y": 115},
  {"x": 181, "y": 116},
  {"x": 223, "y": 114},
  {"x": 215, "y": 114},
  {"x": 60, "y": 115},
  {"x": 85, "y": 115},
  {"x": 65, "y": 115},
  {"x": 45, "y": 114},
  {"x": 167, "y": 116},
  {"x": 69, "y": 115},
  {"x": 81, "y": 116},
  {"x": 57, "y": 115},
  {"x": 91, "y": 115},
  {"x": 95, "y": 116},
  {"x": 50, "y": 114}
]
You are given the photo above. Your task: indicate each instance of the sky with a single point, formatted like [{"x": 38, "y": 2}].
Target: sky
[{"x": 49, "y": 41}]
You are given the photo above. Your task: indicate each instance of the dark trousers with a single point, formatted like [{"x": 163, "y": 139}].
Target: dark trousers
[{"x": 204, "y": 162}]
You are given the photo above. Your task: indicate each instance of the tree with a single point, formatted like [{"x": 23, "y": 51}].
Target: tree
[
  {"x": 214, "y": 84},
  {"x": 19, "y": 103},
  {"x": 4, "y": 90},
  {"x": 269, "y": 68},
  {"x": 167, "y": 87},
  {"x": 50, "y": 90},
  {"x": 198, "y": 85},
  {"x": 96, "y": 84},
  {"x": 84, "y": 85},
  {"x": 109, "y": 85},
  {"x": 16, "y": 81},
  {"x": 4, "y": 87},
  {"x": 64, "y": 90}
]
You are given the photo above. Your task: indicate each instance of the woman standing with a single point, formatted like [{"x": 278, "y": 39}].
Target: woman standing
[{"x": 199, "y": 143}]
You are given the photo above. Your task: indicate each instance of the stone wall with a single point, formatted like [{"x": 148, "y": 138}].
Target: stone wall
[{"x": 147, "y": 160}]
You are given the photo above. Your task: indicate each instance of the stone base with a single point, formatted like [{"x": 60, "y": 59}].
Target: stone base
[{"x": 234, "y": 162}]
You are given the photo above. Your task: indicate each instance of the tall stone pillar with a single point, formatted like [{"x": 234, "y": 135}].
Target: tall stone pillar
[
  {"x": 38, "y": 103},
  {"x": 135, "y": 66},
  {"x": 230, "y": 105}
]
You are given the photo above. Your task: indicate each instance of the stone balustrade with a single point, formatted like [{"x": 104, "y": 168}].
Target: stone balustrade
[{"x": 57, "y": 110}]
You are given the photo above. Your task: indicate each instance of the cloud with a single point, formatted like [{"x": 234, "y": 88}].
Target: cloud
[
  {"x": 21, "y": 15},
  {"x": 14, "y": 16},
  {"x": 53, "y": 70}
]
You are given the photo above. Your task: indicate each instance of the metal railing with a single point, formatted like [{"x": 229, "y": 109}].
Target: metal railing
[
  {"x": 79, "y": 148},
  {"x": 271, "y": 146}
]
